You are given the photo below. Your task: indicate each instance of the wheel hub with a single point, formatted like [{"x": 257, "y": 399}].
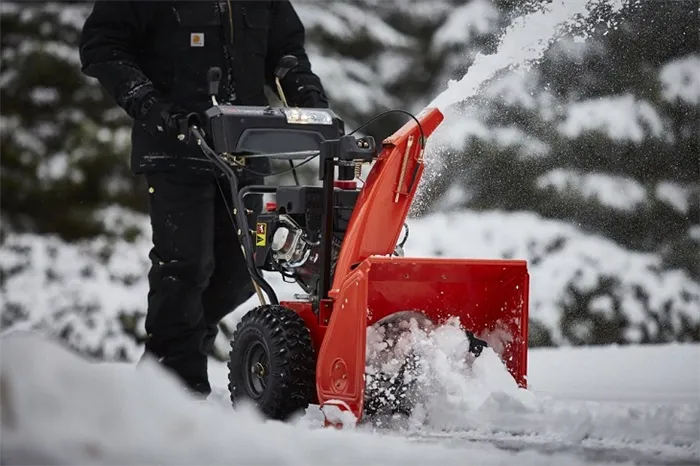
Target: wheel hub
[
  {"x": 256, "y": 378},
  {"x": 258, "y": 370}
]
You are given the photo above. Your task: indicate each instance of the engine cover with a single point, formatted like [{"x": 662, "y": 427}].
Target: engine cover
[
  {"x": 288, "y": 238},
  {"x": 290, "y": 246}
]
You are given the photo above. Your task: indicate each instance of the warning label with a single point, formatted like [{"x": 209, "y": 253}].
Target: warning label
[{"x": 261, "y": 234}]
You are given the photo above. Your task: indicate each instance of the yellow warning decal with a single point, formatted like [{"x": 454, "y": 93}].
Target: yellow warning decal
[{"x": 261, "y": 234}]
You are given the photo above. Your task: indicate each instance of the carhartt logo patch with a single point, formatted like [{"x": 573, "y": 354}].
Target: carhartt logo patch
[{"x": 197, "y": 39}]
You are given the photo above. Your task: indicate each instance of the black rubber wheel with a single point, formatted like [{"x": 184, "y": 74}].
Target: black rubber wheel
[{"x": 272, "y": 363}]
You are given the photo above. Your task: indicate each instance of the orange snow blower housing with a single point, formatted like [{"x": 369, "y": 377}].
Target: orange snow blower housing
[
  {"x": 371, "y": 284},
  {"x": 339, "y": 242}
]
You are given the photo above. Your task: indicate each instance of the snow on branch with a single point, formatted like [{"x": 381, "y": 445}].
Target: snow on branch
[
  {"x": 680, "y": 80},
  {"x": 678, "y": 196},
  {"x": 618, "y": 192},
  {"x": 345, "y": 22},
  {"x": 621, "y": 118},
  {"x": 471, "y": 19}
]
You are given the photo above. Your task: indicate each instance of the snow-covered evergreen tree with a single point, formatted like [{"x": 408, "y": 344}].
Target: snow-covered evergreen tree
[{"x": 64, "y": 145}]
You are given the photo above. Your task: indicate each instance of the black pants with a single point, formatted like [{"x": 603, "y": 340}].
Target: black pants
[{"x": 198, "y": 274}]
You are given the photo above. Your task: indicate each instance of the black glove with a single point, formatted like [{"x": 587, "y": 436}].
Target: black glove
[
  {"x": 181, "y": 121},
  {"x": 312, "y": 96},
  {"x": 166, "y": 118}
]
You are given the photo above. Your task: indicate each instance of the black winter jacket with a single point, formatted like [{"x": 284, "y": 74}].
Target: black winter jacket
[{"x": 151, "y": 55}]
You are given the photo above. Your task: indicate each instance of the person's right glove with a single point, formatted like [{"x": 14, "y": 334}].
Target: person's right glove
[
  {"x": 169, "y": 119},
  {"x": 312, "y": 96}
]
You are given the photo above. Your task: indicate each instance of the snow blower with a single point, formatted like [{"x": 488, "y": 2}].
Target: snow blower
[{"x": 342, "y": 245}]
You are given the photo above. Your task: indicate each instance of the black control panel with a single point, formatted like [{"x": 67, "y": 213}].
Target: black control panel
[{"x": 268, "y": 130}]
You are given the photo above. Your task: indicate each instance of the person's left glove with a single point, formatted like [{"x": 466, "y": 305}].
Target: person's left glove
[
  {"x": 312, "y": 96},
  {"x": 180, "y": 121}
]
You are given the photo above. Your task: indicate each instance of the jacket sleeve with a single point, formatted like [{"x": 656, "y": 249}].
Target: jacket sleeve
[
  {"x": 301, "y": 85},
  {"x": 108, "y": 45}
]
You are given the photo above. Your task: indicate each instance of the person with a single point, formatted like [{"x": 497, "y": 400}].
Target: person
[{"x": 152, "y": 58}]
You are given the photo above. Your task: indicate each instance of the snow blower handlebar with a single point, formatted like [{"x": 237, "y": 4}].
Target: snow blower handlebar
[
  {"x": 239, "y": 211},
  {"x": 241, "y": 134},
  {"x": 344, "y": 152}
]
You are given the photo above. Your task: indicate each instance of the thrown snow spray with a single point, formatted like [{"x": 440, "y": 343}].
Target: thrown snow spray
[
  {"x": 442, "y": 382},
  {"x": 523, "y": 43},
  {"x": 521, "y": 46}
]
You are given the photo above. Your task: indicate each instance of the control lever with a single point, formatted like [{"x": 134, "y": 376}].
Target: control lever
[
  {"x": 285, "y": 64},
  {"x": 214, "y": 78}
]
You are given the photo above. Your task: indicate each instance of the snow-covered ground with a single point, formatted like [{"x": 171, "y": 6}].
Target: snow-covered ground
[{"x": 629, "y": 405}]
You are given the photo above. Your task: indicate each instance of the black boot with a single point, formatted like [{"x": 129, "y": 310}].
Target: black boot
[{"x": 194, "y": 381}]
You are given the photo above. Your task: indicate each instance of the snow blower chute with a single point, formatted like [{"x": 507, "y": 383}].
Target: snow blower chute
[{"x": 340, "y": 244}]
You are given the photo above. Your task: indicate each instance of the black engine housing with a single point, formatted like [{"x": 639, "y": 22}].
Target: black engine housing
[{"x": 303, "y": 205}]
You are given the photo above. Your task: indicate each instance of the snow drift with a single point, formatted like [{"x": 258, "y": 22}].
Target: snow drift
[{"x": 60, "y": 409}]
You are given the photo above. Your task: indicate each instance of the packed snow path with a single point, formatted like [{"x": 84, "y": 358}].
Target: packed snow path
[{"x": 629, "y": 405}]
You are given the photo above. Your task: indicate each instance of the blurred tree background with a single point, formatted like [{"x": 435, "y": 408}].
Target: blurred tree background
[
  {"x": 602, "y": 135},
  {"x": 64, "y": 145}
]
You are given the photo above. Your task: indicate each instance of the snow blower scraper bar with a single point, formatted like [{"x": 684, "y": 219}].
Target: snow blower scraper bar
[{"x": 339, "y": 242}]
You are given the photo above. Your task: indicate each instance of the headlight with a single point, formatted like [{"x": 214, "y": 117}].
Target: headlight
[{"x": 307, "y": 116}]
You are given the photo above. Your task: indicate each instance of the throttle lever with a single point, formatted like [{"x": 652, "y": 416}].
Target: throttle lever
[
  {"x": 285, "y": 64},
  {"x": 214, "y": 79}
]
